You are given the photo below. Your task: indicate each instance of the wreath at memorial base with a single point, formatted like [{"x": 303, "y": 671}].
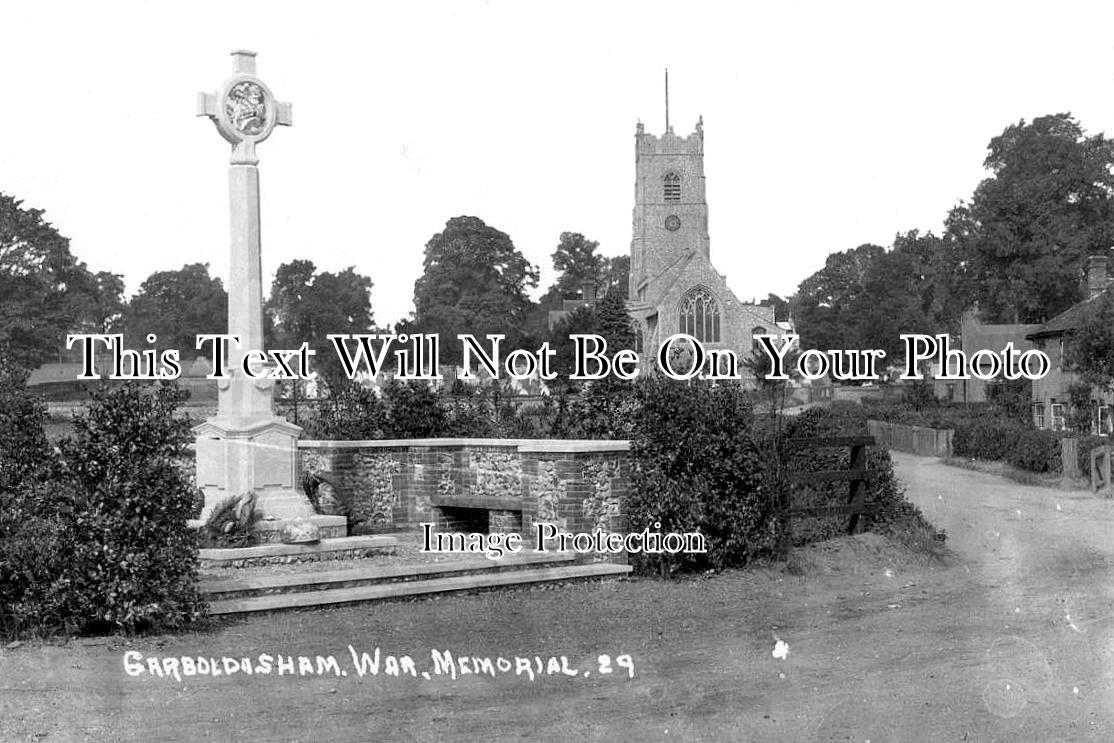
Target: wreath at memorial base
[{"x": 232, "y": 522}]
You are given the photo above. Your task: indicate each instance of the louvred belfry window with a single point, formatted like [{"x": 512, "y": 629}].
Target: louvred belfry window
[
  {"x": 700, "y": 316},
  {"x": 672, "y": 187}
]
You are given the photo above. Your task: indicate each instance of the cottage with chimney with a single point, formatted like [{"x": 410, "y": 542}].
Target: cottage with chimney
[{"x": 1051, "y": 395}]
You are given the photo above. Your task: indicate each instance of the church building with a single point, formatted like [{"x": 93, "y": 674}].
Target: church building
[{"x": 674, "y": 287}]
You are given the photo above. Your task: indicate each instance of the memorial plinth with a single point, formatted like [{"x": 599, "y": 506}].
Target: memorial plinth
[{"x": 246, "y": 446}]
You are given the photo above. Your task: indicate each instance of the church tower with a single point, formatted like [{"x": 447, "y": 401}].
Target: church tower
[
  {"x": 674, "y": 287},
  {"x": 670, "y": 206}
]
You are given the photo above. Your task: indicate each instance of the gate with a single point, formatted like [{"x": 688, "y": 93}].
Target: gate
[{"x": 856, "y": 475}]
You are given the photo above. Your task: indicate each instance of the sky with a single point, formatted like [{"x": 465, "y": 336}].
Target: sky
[{"x": 827, "y": 125}]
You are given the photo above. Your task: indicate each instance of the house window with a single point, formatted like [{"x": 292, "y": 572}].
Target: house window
[
  {"x": 1057, "y": 416},
  {"x": 638, "y": 342},
  {"x": 672, "y": 186},
  {"x": 1105, "y": 421},
  {"x": 699, "y": 315},
  {"x": 1038, "y": 414}
]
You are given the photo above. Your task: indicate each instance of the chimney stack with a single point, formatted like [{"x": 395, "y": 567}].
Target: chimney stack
[{"x": 1096, "y": 275}]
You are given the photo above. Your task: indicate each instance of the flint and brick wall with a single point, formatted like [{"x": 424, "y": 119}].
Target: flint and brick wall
[{"x": 493, "y": 485}]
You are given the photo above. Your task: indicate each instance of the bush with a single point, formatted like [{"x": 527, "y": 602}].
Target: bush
[
  {"x": 414, "y": 411},
  {"x": 603, "y": 409},
  {"x": 106, "y": 525},
  {"x": 996, "y": 431},
  {"x": 25, "y": 452},
  {"x": 919, "y": 395},
  {"x": 134, "y": 559},
  {"x": 352, "y": 413},
  {"x": 470, "y": 415},
  {"x": 490, "y": 410},
  {"x": 1012, "y": 398},
  {"x": 992, "y": 440},
  {"x": 694, "y": 467},
  {"x": 951, "y": 415},
  {"x": 897, "y": 516},
  {"x": 1036, "y": 451},
  {"x": 30, "y": 557}
]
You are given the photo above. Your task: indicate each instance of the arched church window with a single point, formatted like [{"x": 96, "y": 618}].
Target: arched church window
[
  {"x": 699, "y": 315},
  {"x": 672, "y": 186}
]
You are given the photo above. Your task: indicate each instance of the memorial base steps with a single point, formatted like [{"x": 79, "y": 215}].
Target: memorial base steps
[{"x": 376, "y": 581}]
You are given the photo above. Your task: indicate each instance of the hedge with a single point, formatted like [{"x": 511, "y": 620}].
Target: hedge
[
  {"x": 93, "y": 537},
  {"x": 695, "y": 466},
  {"x": 984, "y": 431},
  {"x": 846, "y": 419}
]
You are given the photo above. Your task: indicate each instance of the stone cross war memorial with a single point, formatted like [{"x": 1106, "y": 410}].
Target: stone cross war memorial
[{"x": 245, "y": 447}]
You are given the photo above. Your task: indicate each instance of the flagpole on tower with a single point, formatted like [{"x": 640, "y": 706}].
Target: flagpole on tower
[{"x": 666, "y": 99}]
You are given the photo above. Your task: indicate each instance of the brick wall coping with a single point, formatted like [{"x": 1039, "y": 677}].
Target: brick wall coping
[
  {"x": 539, "y": 446},
  {"x": 562, "y": 446}
]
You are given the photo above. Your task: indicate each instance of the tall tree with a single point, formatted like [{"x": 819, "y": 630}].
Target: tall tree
[
  {"x": 285, "y": 315},
  {"x": 102, "y": 305},
  {"x": 45, "y": 292},
  {"x": 1089, "y": 348},
  {"x": 910, "y": 288},
  {"x": 581, "y": 321},
  {"x": 614, "y": 321},
  {"x": 824, "y": 300},
  {"x": 616, "y": 275},
  {"x": 1030, "y": 226},
  {"x": 474, "y": 281},
  {"x": 177, "y": 306},
  {"x": 781, "y": 306},
  {"x": 307, "y": 306},
  {"x": 578, "y": 263}
]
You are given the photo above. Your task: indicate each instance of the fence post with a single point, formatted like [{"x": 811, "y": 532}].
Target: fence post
[
  {"x": 855, "y": 494},
  {"x": 1106, "y": 468},
  {"x": 1100, "y": 470},
  {"x": 1069, "y": 457}
]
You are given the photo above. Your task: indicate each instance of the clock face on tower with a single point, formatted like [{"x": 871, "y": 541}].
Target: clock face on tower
[{"x": 672, "y": 223}]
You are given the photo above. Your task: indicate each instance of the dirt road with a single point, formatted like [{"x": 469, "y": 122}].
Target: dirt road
[
  {"x": 1011, "y": 640},
  {"x": 1031, "y": 632}
]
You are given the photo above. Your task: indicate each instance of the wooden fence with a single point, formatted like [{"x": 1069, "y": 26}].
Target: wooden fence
[
  {"x": 856, "y": 475},
  {"x": 927, "y": 442}
]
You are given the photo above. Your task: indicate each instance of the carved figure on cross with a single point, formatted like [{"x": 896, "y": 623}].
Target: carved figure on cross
[{"x": 244, "y": 110}]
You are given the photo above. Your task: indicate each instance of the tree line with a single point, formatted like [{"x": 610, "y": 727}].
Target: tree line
[
  {"x": 474, "y": 281},
  {"x": 1017, "y": 247}
]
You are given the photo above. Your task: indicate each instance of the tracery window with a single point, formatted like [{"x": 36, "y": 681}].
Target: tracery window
[
  {"x": 699, "y": 316},
  {"x": 672, "y": 186}
]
